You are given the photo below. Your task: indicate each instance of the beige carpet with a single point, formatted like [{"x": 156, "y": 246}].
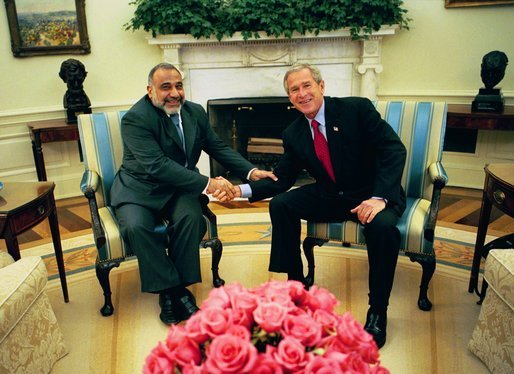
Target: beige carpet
[{"x": 418, "y": 342}]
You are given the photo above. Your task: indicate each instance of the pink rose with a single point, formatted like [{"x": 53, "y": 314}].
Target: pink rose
[
  {"x": 269, "y": 316},
  {"x": 244, "y": 301},
  {"x": 215, "y": 321},
  {"x": 160, "y": 360},
  {"x": 297, "y": 292},
  {"x": 354, "y": 363},
  {"x": 175, "y": 334},
  {"x": 192, "y": 369},
  {"x": 266, "y": 365},
  {"x": 327, "y": 320},
  {"x": 323, "y": 365},
  {"x": 230, "y": 354},
  {"x": 291, "y": 354},
  {"x": 353, "y": 336},
  {"x": 320, "y": 298},
  {"x": 239, "y": 331},
  {"x": 184, "y": 349},
  {"x": 218, "y": 297},
  {"x": 302, "y": 327},
  {"x": 193, "y": 329},
  {"x": 240, "y": 317}
]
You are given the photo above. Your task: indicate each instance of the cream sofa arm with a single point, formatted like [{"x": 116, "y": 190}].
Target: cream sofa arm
[{"x": 22, "y": 283}]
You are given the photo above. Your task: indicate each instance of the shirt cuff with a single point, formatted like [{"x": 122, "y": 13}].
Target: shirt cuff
[
  {"x": 246, "y": 190},
  {"x": 250, "y": 173}
]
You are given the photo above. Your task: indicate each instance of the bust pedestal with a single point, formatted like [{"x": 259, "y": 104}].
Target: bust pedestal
[{"x": 488, "y": 100}]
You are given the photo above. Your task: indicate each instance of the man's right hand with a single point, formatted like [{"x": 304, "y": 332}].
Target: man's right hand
[{"x": 221, "y": 189}]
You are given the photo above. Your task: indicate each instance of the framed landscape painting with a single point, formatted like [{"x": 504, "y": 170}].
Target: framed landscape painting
[{"x": 47, "y": 27}]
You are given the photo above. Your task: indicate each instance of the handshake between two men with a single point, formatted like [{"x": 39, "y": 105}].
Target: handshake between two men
[{"x": 222, "y": 190}]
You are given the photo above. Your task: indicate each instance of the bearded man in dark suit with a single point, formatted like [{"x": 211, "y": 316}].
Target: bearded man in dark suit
[
  {"x": 163, "y": 137},
  {"x": 359, "y": 179}
]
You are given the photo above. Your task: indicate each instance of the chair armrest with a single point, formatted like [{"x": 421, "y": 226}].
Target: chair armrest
[
  {"x": 89, "y": 186},
  {"x": 438, "y": 174},
  {"x": 439, "y": 179},
  {"x": 90, "y": 181}
]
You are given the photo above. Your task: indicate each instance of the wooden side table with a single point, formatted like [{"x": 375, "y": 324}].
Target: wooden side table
[
  {"x": 22, "y": 206},
  {"x": 461, "y": 116},
  {"x": 498, "y": 191},
  {"x": 47, "y": 132}
]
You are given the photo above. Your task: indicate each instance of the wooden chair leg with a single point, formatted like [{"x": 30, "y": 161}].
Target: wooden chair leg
[
  {"x": 102, "y": 273},
  {"x": 308, "y": 250},
  {"x": 428, "y": 265},
  {"x": 217, "y": 250}
]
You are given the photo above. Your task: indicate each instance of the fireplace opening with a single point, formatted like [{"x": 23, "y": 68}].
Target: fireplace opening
[{"x": 252, "y": 126}]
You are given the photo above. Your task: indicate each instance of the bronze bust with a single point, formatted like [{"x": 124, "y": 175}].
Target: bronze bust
[
  {"x": 493, "y": 68},
  {"x": 75, "y": 99},
  {"x": 492, "y": 71}
]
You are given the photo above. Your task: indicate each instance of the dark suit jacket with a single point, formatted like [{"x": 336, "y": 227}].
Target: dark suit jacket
[
  {"x": 367, "y": 155},
  {"x": 153, "y": 159}
]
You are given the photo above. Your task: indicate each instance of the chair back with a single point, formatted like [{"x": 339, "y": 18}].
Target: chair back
[
  {"x": 102, "y": 147},
  {"x": 421, "y": 127}
]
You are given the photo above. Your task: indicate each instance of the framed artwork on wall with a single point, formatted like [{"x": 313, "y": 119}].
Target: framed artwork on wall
[
  {"x": 47, "y": 27},
  {"x": 466, "y": 3}
]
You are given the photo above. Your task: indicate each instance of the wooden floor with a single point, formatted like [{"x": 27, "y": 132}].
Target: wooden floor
[{"x": 459, "y": 209}]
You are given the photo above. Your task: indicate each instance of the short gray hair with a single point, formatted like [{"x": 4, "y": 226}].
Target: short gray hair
[
  {"x": 316, "y": 74},
  {"x": 165, "y": 66}
]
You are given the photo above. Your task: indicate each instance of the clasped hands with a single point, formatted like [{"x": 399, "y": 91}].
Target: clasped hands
[{"x": 221, "y": 189}]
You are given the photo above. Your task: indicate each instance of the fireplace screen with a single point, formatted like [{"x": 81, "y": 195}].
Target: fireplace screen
[{"x": 253, "y": 127}]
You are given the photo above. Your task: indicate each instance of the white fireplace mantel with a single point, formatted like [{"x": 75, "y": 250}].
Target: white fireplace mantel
[{"x": 359, "y": 61}]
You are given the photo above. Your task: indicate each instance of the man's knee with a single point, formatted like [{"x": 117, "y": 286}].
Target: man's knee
[{"x": 383, "y": 222}]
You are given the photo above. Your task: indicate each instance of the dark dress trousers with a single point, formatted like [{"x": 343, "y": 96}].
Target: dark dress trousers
[
  {"x": 153, "y": 183},
  {"x": 368, "y": 159}
]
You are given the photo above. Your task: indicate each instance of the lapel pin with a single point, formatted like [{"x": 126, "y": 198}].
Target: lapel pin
[{"x": 336, "y": 128}]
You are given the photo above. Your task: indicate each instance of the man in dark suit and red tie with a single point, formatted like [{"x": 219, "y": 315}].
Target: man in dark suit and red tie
[
  {"x": 163, "y": 136},
  {"x": 357, "y": 162}
]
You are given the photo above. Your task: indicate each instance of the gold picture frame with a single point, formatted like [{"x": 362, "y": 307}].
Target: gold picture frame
[
  {"x": 469, "y": 3},
  {"x": 47, "y": 27}
]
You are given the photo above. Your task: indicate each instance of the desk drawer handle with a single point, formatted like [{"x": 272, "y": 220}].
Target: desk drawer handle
[
  {"x": 499, "y": 196},
  {"x": 41, "y": 209}
]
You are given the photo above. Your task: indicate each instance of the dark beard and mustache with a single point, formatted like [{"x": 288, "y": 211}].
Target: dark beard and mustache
[{"x": 169, "y": 111}]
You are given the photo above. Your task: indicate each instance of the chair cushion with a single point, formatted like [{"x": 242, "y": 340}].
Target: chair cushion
[
  {"x": 22, "y": 283},
  {"x": 5, "y": 259},
  {"x": 493, "y": 334},
  {"x": 115, "y": 248},
  {"x": 499, "y": 274},
  {"x": 411, "y": 225}
]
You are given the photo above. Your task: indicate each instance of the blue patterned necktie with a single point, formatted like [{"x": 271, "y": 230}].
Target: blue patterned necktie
[{"x": 176, "y": 122}]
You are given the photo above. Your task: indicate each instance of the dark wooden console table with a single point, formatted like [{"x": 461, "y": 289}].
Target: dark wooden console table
[
  {"x": 498, "y": 191},
  {"x": 461, "y": 116},
  {"x": 23, "y": 205},
  {"x": 48, "y": 131}
]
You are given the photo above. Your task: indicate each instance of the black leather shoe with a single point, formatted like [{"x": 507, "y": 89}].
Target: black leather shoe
[
  {"x": 376, "y": 324},
  {"x": 186, "y": 305},
  {"x": 168, "y": 314}
]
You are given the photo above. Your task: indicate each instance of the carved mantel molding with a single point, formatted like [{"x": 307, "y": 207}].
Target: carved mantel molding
[{"x": 272, "y": 51}]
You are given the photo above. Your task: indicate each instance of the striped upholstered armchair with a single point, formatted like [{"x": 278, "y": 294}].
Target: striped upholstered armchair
[
  {"x": 421, "y": 127},
  {"x": 100, "y": 137}
]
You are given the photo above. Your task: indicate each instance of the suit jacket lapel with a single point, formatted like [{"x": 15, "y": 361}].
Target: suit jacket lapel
[
  {"x": 334, "y": 128},
  {"x": 190, "y": 128}
]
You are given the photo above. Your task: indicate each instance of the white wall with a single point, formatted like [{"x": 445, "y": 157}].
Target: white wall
[{"x": 439, "y": 58}]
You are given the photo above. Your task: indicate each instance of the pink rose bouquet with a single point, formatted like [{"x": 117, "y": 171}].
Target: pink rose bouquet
[{"x": 277, "y": 327}]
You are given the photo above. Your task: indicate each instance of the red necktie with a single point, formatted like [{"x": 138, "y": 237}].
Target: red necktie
[{"x": 321, "y": 148}]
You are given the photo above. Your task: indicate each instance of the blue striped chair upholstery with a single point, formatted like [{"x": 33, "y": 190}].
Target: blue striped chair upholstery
[
  {"x": 421, "y": 127},
  {"x": 100, "y": 137}
]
